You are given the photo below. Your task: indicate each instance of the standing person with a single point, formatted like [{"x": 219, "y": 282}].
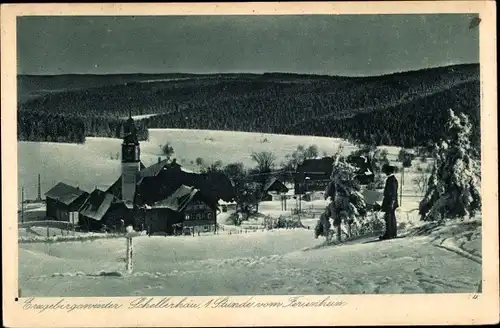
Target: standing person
[{"x": 390, "y": 203}]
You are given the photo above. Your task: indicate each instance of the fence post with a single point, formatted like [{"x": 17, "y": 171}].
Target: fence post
[{"x": 130, "y": 253}]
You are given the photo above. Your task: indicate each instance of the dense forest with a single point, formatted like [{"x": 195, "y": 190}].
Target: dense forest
[
  {"x": 404, "y": 109},
  {"x": 408, "y": 124}
]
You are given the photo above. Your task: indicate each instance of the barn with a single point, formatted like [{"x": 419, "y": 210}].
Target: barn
[
  {"x": 102, "y": 210},
  {"x": 63, "y": 199}
]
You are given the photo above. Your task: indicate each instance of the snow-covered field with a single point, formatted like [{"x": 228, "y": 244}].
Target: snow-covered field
[
  {"x": 97, "y": 164},
  {"x": 269, "y": 262}
]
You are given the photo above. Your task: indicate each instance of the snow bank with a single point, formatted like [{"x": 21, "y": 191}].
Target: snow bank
[{"x": 55, "y": 239}]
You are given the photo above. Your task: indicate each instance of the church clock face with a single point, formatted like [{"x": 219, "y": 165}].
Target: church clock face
[{"x": 130, "y": 153}]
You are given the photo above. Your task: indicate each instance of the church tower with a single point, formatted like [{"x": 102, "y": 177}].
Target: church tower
[{"x": 131, "y": 158}]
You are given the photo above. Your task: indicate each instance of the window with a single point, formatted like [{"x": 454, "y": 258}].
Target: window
[
  {"x": 187, "y": 217},
  {"x": 209, "y": 216},
  {"x": 199, "y": 216}
]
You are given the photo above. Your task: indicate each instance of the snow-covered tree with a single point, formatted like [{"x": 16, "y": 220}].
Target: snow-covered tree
[
  {"x": 453, "y": 187},
  {"x": 167, "y": 150},
  {"x": 349, "y": 203}
]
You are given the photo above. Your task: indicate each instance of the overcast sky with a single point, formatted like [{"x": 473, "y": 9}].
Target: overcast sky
[{"x": 320, "y": 44}]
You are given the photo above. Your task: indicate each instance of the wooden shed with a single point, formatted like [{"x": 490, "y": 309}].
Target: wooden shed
[
  {"x": 63, "y": 199},
  {"x": 103, "y": 210}
]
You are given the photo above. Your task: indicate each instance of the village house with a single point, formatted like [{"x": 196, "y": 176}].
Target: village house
[
  {"x": 102, "y": 210},
  {"x": 313, "y": 175},
  {"x": 274, "y": 187},
  {"x": 62, "y": 200},
  {"x": 163, "y": 197},
  {"x": 185, "y": 208}
]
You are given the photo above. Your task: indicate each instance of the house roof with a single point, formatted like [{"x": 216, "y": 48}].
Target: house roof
[
  {"x": 97, "y": 204},
  {"x": 178, "y": 200},
  {"x": 155, "y": 169},
  {"x": 64, "y": 193},
  {"x": 275, "y": 185},
  {"x": 144, "y": 172},
  {"x": 212, "y": 185},
  {"x": 320, "y": 166}
]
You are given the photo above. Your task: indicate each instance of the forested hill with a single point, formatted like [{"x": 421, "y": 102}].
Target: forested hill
[{"x": 404, "y": 109}]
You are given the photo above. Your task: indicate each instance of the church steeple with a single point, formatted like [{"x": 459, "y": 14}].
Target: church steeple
[
  {"x": 129, "y": 130},
  {"x": 131, "y": 159},
  {"x": 130, "y": 144}
]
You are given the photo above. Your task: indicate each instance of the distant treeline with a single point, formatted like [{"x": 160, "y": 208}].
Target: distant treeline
[
  {"x": 34, "y": 126},
  {"x": 409, "y": 124},
  {"x": 402, "y": 109}
]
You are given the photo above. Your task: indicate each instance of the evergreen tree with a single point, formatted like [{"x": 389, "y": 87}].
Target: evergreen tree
[
  {"x": 453, "y": 187},
  {"x": 349, "y": 203}
]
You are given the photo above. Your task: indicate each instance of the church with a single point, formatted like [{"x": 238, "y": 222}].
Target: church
[{"x": 162, "y": 198}]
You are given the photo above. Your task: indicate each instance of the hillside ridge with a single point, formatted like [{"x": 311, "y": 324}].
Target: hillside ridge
[
  {"x": 255, "y": 74},
  {"x": 268, "y": 103}
]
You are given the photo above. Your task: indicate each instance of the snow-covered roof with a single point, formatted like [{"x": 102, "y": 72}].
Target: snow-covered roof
[
  {"x": 183, "y": 169},
  {"x": 97, "y": 204},
  {"x": 221, "y": 202},
  {"x": 275, "y": 185},
  {"x": 178, "y": 200},
  {"x": 64, "y": 193}
]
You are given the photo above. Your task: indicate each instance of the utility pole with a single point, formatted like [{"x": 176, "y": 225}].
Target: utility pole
[{"x": 39, "y": 189}]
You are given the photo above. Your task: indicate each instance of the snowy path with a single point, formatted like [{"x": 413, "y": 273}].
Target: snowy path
[{"x": 258, "y": 263}]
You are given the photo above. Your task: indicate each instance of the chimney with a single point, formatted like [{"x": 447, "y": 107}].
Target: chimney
[{"x": 159, "y": 159}]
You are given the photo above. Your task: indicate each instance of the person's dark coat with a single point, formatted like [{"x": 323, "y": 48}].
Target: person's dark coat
[{"x": 390, "y": 202}]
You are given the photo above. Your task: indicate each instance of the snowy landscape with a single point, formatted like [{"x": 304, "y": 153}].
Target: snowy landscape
[
  {"x": 214, "y": 183},
  {"x": 282, "y": 261}
]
